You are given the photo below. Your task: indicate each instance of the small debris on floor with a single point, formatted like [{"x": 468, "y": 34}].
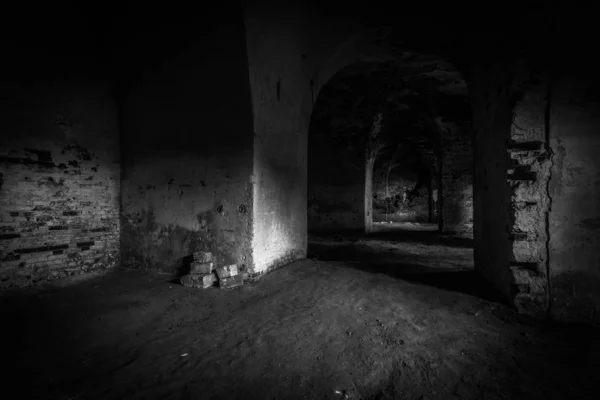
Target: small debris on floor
[
  {"x": 198, "y": 280},
  {"x": 227, "y": 271},
  {"x": 231, "y": 282},
  {"x": 229, "y": 276},
  {"x": 204, "y": 273}
]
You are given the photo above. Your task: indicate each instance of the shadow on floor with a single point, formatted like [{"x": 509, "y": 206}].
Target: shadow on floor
[
  {"x": 422, "y": 257},
  {"x": 468, "y": 282},
  {"x": 427, "y": 237},
  {"x": 399, "y": 235}
]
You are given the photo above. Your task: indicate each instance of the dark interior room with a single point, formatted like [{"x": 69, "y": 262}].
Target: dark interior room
[{"x": 299, "y": 200}]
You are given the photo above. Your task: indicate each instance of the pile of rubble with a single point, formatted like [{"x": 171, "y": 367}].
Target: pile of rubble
[{"x": 204, "y": 274}]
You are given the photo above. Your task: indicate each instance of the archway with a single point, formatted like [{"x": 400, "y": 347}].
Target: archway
[
  {"x": 389, "y": 140},
  {"x": 427, "y": 119}
]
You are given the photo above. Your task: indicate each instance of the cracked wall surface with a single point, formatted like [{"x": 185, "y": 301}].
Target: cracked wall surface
[
  {"x": 528, "y": 176},
  {"x": 59, "y": 191},
  {"x": 187, "y": 148}
]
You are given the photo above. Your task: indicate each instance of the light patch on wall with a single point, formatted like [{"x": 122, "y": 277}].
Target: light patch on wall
[{"x": 277, "y": 242}]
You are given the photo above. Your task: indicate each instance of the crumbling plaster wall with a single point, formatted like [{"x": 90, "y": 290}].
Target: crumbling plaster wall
[
  {"x": 552, "y": 184},
  {"x": 555, "y": 261},
  {"x": 59, "y": 180},
  {"x": 187, "y": 148},
  {"x": 280, "y": 82},
  {"x": 528, "y": 175},
  {"x": 512, "y": 161},
  {"x": 400, "y": 180}
]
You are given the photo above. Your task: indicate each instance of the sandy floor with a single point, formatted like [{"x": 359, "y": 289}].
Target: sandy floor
[{"x": 362, "y": 319}]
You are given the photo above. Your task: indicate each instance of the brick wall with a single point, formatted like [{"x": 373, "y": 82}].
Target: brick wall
[{"x": 59, "y": 182}]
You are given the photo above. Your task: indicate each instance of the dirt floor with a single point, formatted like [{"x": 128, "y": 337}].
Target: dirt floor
[{"x": 398, "y": 315}]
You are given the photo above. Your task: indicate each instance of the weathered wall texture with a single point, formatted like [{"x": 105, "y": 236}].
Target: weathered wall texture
[
  {"x": 293, "y": 50},
  {"x": 457, "y": 181},
  {"x": 187, "y": 147},
  {"x": 59, "y": 181},
  {"x": 336, "y": 186},
  {"x": 575, "y": 199},
  {"x": 528, "y": 176},
  {"x": 492, "y": 116},
  {"x": 281, "y": 98},
  {"x": 553, "y": 176}
]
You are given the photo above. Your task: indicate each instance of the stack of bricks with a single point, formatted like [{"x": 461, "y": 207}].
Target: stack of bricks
[
  {"x": 203, "y": 273},
  {"x": 229, "y": 276}
]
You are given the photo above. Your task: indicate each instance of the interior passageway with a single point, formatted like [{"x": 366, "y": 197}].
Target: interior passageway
[
  {"x": 299, "y": 200},
  {"x": 392, "y": 141}
]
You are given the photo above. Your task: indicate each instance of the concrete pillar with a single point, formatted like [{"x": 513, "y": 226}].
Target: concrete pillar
[{"x": 280, "y": 82}]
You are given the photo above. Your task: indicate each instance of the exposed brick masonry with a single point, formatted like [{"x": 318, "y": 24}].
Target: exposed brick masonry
[
  {"x": 528, "y": 177},
  {"x": 59, "y": 201}
]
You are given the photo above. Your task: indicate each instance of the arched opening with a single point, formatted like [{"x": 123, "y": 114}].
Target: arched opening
[{"x": 390, "y": 169}]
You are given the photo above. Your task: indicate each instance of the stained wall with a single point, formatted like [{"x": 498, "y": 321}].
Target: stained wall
[
  {"x": 188, "y": 154},
  {"x": 59, "y": 180}
]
